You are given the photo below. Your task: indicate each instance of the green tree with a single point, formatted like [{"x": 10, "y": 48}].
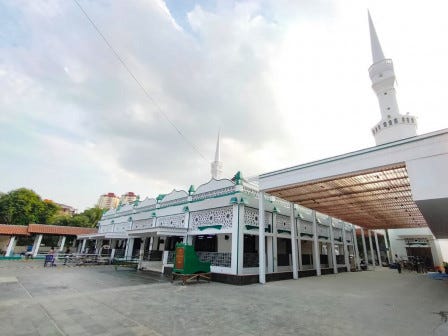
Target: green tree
[
  {"x": 88, "y": 218},
  {"x": 23, "y": 206}
]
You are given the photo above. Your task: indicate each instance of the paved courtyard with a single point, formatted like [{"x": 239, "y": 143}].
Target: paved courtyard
[{"x": 97, "y": 300}]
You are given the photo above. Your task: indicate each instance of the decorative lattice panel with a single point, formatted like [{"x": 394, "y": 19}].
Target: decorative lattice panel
[
  {"x": 106, "y": 228},
  {"x": 306, "y": 228},
  {"x": 222, "y": 259},
  {"x": 337, "y": 233},
  {"x": 251, "y": 217},
  {"x": 142, "y": 224},
  {"x": 219, "y": 216},
  {"x": 176, "y": 221},
  {"x": 282, "y": 222},
  {"x": 122, "y": 227},
  {"x": 323, "y": 231}
]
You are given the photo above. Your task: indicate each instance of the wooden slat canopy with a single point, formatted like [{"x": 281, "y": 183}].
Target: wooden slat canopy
[{"x": 376, "y": 199}]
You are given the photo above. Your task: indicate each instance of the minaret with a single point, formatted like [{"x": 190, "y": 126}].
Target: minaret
[
  {"x": 393, "y": 125},
  {"x": 216, "y": 166}
]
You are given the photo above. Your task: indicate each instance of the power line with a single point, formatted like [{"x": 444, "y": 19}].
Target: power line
[{"x": 126, "y": 67}]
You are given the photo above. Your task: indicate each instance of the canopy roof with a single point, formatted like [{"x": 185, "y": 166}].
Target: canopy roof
[{"x": 378, "y": 198}]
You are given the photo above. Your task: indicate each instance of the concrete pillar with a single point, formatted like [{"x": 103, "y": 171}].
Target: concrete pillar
[
  {"x": 299, "y": 244},
  {"x": 62, "y": 244},
  {"x": 83, "y": 246},
  {"x": 36, "y": 245},
  {"x": 316, "y": 254},
  {"x": 237, "y": 242},
  {"x": 377, "y": 248},
  {"x": 274, "y": 248},
  {"x": 333, "y": 252},
  {"x": 346, "y": 256},
  {"x": 11, "y": 245},
  {"x": 295, "y": 271},
  {"x": 129, "y": 248},
  {"x": 261, "y": 239},
  {"x": 372, "y": 254},
  {"x": 364, "y": 247},
  {"x": 355, "y": 243},
  {"x": 270, "y": 253},
  {"x": 386, "y": 243},
  {"x": 141, "y": 251}
]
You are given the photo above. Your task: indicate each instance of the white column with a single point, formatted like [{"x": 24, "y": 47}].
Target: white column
[
  {"x": 299, "y": 244},
  {"x": 237, "y": 242},
  {"x": 129, "y": 248},
  {"x": 61, "y": 247},
  {"x": 11, "y": 245},
  {"x": 274, "y": 248},
  {"x": 355, "y": 242},
  {"x": 37, "y": 241},
  {"x": 346, "y": 256},
  {"x": 377, "y": 248},
  {"x": 270, "y": 253},
  {"x": 372, "y": 254},
  {"x": 141, "y": 252},
  {"x": 386, "y": 243},
  {"x": 333, "y": 252},
  {"x": 316, "y": 254},
  {"x": 364, "y": 247},
  {"x": 83, "y": 246},
  {"x": 261, "y": 239},
  {"x": 295, "y": 272}
]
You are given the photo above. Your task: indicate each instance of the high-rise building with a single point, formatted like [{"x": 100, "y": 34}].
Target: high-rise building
[
  {"x": 129, "y": 197},
  {"x": 108, "y": 201}
]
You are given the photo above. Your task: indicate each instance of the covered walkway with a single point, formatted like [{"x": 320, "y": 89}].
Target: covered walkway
[{"x": 9, "y": 235}]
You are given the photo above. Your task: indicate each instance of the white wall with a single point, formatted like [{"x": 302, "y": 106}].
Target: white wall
[
  {"x": 223, "y": 244},
  {"x": 398, "y": 246}
]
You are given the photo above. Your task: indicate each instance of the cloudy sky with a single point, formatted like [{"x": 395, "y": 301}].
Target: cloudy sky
[{"x": 285, "y": 81}]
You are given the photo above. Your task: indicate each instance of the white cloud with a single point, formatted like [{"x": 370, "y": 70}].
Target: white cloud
[{"x": 286, "y": 81}]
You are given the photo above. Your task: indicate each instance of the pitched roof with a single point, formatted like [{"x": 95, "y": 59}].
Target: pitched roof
[
  {"x": 13, "y": 230},
  {"x": 59, "y": 230}
]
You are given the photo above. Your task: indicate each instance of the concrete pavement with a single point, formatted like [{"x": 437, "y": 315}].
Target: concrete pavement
[{"x": 98, "y": 300}]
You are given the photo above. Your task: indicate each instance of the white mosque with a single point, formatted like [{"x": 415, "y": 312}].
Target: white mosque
[{"x": 302, "y": 220}]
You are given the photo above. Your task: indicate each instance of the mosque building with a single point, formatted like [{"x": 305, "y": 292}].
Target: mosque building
[{"x": 276, "y": 230}]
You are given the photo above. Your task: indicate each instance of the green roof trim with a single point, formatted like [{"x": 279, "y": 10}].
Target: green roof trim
[
  {"x": 216, "y": 227},
  {"x": 191, "y": 189},
  {"x": 238, "y": 177},
  {"x": 186, "y": 209},
  {"x": 253, "y": 227},
  {"x": 283, "y": 231},
  {"x": 306, "y": 235},
  {"x": 160, "y": 197},
  {"x": 234, "y": 200}
]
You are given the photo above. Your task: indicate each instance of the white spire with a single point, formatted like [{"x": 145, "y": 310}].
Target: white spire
[
  {"x": 377, "y": 52},
  {"x": 217, "y": 165},
  {"x": 218, "y": 149}
]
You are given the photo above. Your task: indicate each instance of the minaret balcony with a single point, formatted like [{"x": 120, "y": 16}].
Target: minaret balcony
[{"x": 381, "y": 68}]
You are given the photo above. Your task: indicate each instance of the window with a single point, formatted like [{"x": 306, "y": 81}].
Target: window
[
  {"x": 207, "y": 243},
  {"x": 395, "y": 121},
  {"x": 385, "y": 124}
]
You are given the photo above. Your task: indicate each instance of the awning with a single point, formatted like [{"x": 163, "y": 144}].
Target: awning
[{"x": 158, "y": 231}]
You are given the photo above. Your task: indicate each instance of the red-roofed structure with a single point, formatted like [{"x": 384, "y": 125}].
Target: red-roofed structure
[
  {"x": 59, "y": 230},
  {"x": 38, "y": 231},
  {"x": 14, "y": 230}
]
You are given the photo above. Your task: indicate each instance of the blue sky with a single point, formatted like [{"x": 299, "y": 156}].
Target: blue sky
[{"x": 285, "y": 81}]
